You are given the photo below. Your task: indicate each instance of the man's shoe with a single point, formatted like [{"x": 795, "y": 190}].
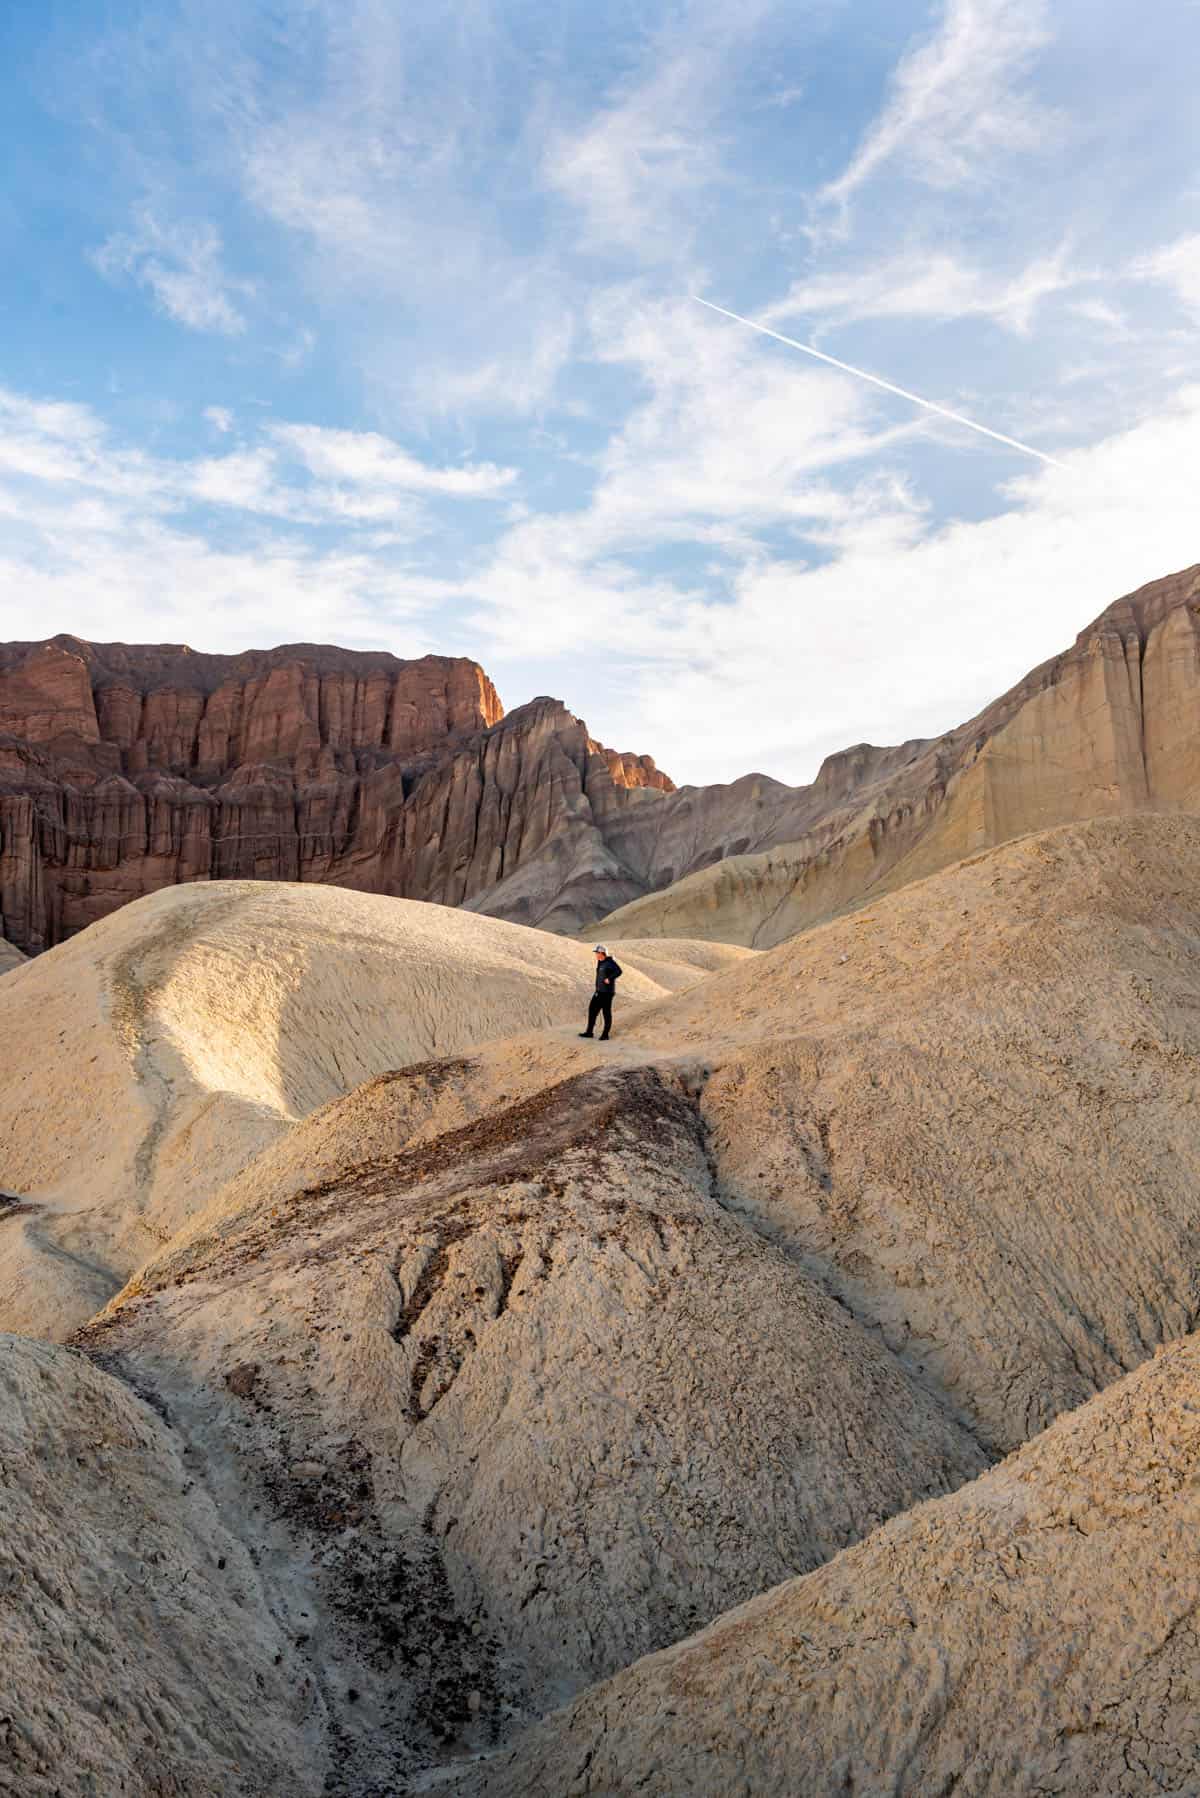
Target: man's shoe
[
  {"x": 604, "y": 1038},
  {"x": 588, "y": 1034}
]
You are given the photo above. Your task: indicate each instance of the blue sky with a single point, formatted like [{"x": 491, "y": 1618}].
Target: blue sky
[{"x": 365, "y": 323}]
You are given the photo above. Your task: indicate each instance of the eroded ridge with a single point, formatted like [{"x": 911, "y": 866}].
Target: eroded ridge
[{"x": 529, "y": 1403}]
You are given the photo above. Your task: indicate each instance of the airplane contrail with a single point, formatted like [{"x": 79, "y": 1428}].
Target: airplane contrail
[{"x": 888, "y": 386}]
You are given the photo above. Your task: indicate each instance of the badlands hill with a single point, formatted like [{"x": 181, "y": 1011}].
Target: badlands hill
[
  {"x": 461, "y": 1366},
  {"x": 1034, "y": 1633},
  {"x": 152, "y": 1056},
  {"x": 1105, "y": 728},
  {"x": 123, "y": 770}
]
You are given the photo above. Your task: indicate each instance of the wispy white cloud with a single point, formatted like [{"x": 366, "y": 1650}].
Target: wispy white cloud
[
  {"x": 726, "y": 449},
  {"x": 907, "y": 633},
  {"x": 956, "y": 102},
  {"x": 1096, "y": 310},
  {"x": 638, "y": 166},
  {"x": 105, "y": 540},
  {"x": 58, "y": 457},
  {"x": 220, "y": 418},
  {"x": 297, "y": 349},
  {"x": 632, "y": 169},
  {"x": 146, "y": 581},
  {"x": 933, "y": 285},
  {"x": 366, "y": 459},
  {"x": 182, "y": 267},
  {"x": 1176, "y": 265}
]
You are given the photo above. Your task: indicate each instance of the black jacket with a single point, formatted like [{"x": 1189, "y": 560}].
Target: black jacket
[{"x": 607, "y": 974}]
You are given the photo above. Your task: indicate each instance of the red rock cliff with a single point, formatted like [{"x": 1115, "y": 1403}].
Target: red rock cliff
[{"x": 126, "y": 769}]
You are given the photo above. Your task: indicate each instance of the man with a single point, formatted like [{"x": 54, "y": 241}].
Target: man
[{"x": 600, "y": 1004}]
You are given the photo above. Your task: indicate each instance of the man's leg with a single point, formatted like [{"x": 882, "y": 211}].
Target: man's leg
[
  {"x": 606, "y": 1008},
  {"x": 593, "y": 1014}
]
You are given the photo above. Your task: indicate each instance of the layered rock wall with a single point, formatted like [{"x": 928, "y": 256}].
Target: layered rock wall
[
  {"x": 125, "y": 770},
  {"x": 1108, "y": 727}
]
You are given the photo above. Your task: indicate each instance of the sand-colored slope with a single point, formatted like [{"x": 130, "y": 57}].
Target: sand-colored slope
[
  {"x": 150, "y": 1057},
  {"x": 972, "y": 1112},
  {"x": 515, "y": 1364},
  {"x": 1037, "y": 1632},
  {"x": 528, "y": 1400},
  {"x": 136, "y": 1653},
  {"x": 674, "y": 962},
  {"x": 421, "y": 1101},
  {"x": 1108, "y": 728}
]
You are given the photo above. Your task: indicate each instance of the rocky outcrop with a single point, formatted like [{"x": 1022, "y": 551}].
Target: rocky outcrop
[
  {"x": 134, "y": 1627},
  {"x": 496, "y": 1374},
  {"x": 1106, "y": 728},
  {"x": 124, "y": 770},
  {"x": 1034, "y": 1632},
  {"x": 199, "y": 1023},
  {"x": 517, "y": 1404}
]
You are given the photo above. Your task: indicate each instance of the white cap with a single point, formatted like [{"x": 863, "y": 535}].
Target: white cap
[{"x": 599, "y": 949}]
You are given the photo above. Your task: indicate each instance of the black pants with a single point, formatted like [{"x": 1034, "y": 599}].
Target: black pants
[{"x": 600, "y": 1003}]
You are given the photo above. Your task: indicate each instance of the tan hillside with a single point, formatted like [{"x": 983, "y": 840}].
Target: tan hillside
[
  {"x": 510, "y": 1359},
  {"x": 136, "y": 1652},
  {"x": 1106, "y": 728},
  {"x": 1034, "y": 1633},
  {"x": 972, "y": 1111},
  {"x": 153, "y": 1055},
  {"x": 674, "y": 962},
  {"x": 534, "y": 1381},
  {"x": 969, "y": 1113}
]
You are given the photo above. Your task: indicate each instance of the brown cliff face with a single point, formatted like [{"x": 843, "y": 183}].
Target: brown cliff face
[
  {"x": 123, "y": 770},
  {"x": 127, "y": 769}
]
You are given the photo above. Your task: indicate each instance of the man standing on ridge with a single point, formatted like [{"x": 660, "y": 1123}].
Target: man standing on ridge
[{"x": 600, "y": 1004}]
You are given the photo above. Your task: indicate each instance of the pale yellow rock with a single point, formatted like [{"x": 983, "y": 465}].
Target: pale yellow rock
[
  {"x": 973, "y": 1111},
  {"x": 137, "y": 1654},
  {"x": 150, "y": 1057},
  {"x": 1107, "y": 728},
  {"x": 1034, "y": 1633},
  {"x": 521, "y": 1361},
  {"x": 533, "y": 1375}
]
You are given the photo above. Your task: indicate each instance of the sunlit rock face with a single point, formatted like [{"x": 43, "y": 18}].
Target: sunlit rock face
[{"x": 123, "y": 770}]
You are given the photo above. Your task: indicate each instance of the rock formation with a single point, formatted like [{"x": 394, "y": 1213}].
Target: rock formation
[
  {"x": 527, "y": 1399},
  {"x": 433, "y": 1392},
  {"x": 968, "y": 1110},
  {"x": 165, "y": 1046},
  {"x": 1034, "y": 1633},
  {"x": 1108, "y": 727},
  {"x": 125, "y": 770},
  {"x": 137, "y": 1654}
]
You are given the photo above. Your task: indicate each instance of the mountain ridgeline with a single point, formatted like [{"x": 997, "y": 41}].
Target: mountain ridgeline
[{"x": 124, "y": 770}]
